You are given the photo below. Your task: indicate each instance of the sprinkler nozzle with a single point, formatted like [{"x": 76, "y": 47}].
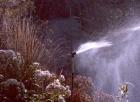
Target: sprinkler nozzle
[{"x": 73, "y": 54}]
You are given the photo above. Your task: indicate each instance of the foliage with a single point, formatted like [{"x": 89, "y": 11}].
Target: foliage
[
  {"x": 14, "y": 8},
  {"x": 10, "y": 63},
  {"x": 12, "y": 12},
  {"x": 38, "y": 85},
  {"x": 11, "y": 89},
  {"x": 26, "y": 41},
  {"x": 83, "y": 88},
  {"x": 85, "y": 91},
  {"x": 21, "y": 32}
]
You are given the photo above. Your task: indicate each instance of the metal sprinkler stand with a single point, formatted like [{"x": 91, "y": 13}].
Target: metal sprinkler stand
[{"x": 73, "y": 67}]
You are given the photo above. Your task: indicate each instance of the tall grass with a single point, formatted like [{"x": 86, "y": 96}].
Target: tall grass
[
  {"x": 27, "y": 42},
  {"x": 22, "y": 37},
  {"x": 35, "y": 45},
  {"x": 58, "y": 50}
]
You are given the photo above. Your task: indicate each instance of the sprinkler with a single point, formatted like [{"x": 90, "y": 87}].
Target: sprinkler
[
  {"x": 73, "y": 54},
  {"x": 72, "y": 77},
  {"x": 84, "y": 48}
]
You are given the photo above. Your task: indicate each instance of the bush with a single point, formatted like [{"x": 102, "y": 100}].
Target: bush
[
  {"x": 12, "y": 90},
  {"x": 32, "y": 84}
]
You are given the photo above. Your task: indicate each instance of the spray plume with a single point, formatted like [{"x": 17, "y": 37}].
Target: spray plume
[
  {"x": 113, "y": 65},
  {"x": 93, "y": 45}
]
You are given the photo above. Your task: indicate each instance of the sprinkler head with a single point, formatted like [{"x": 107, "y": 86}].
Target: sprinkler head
[{"x": 73, "y": 54}]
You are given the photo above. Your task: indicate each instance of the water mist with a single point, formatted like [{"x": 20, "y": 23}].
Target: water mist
[{"x": 112, "y": 61}]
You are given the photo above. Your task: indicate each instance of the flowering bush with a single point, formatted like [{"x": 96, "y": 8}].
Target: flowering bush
[
  {"x": 52, "y": 85},
  {"x": 10, "y": 63},
  {"x": 34, "y": 84},
  {"x": 56, "y": 90}
]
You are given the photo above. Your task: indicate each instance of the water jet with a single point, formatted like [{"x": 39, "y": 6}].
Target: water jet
[{"x": 115, "y": 61}]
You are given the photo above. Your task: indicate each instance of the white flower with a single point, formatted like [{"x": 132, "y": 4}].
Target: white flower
[
  {"x": 25, "y": 90},
  {"x": 40, "y": 73},
  {"x": 62, "y": 78},
  {"x": 68, "y": 91},
  {"x": 57, "y": 82},
  {"x": 61, "y": 99},
  {"x": 54, "y": 86},
  {"x": 36, "y": 64},
  {"x": 57, "y": 88},
  {"x": 67, "y": 87}
]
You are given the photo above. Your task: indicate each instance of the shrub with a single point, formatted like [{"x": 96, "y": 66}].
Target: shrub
[
  {"x": 12, "y": 90},
  {"x": 34, "y": 84}
]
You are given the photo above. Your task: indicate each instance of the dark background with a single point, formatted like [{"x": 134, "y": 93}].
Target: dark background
[{"x": 94, "y": 15}]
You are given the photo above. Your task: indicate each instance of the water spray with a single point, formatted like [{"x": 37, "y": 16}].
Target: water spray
[
  {"x": 113, "y": 64},
  {"x": 83, "y": 48},
  {"x": 135, "y": 28},
  {"x": 93, "y": 45}
]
